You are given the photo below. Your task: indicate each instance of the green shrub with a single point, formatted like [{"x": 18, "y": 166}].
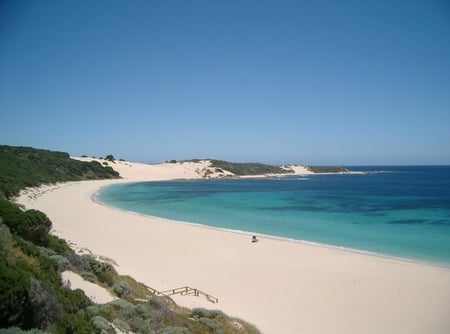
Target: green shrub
[
  {"x": 74, "y": 324},
  {"x": 248, "y": 168},
  {"x": 122, "y": 325},
  {"x": 102, "y": 325},
  {"x": 13, "y": 294},
  {"x": 92, "y": 265},
  {"x": 158, "y": 303},
  {"x": 141, "y": 309},
  {"x": 104, "y": 271},
  {"x": 45, "y": 309},
  {"x": 107, "y": 276},
  {"x": 106, "y": 311},
  {"x": 62, "y": 263},
  {"x": 74, "y": 300},
  {"x": 138, "y": 317},
  {"x": 122, "y": 289},
  {"x": 327, "y": 169},
  {"x": 16, "y": 330},
  {"x": 36, "y": 227},
  {"x": 7, "y": 246},
  {"x": 88, "y": 276},
  {"x": 28, "y": 285},
  {"x": 121, "y": 304},
  {"x": 141, "y": 325},
  {"x": 92, "y": 311},
  {"x": 175, "y": 330},
  {"x": 137, "y": 290},
  {"x": 213, "y": 326},
  {"x": 31, "y": 225},
  {"x": 58, "y": 245},
  {"x": 204, "y": 313},
  {"x": 110, "y": 157}
]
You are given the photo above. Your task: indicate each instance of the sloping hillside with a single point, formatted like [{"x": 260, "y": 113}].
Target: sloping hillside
[{"x": 22, "y": 167}]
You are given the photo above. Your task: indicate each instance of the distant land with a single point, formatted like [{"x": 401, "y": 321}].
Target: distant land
[
  {"x": 22, "y": 167},
  {"x": 222, "y": 168}
]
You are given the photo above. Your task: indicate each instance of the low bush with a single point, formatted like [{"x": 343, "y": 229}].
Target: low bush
[
  {"x": 16, "y": 330},
  {"x": 122, "y": 305},
  {"x": 248, "y": 168},
  {"x": 88, "y": 276},
  {"x": 213, "y": 326},
  {"x": 107, "y": 276},
  {"x": 74, "y": 323},
  {"x": 327, "y": 169},
  {"x": 102, "y": 325},
  {"x": 45, "y": 309},
  {"x": 122, "y": 289},
  {"x": 92, "y": 265},
  {"x": 158, "y": 303},
  {"x": 175, "y": 330},
  {"x": 74, "y": 300},
  {"x": 92, "y": 311},
  {"x": 31, "y": 225},
  {"x": 59, "y": 246},
  {"x": 142, "y": 325},
  {"x": 110, "y": 157},
  {"x": 204, "y": 313},
  {"x": 62, "y": 263},
  {"x": 103, "y": 271},
  {"x": 123, "y": 326}
]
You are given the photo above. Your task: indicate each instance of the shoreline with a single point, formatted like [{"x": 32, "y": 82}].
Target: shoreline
[
  {"x": 429, "y": 262},
  {"x": 279, "y": 286},
  {"x": 436, "y": 264}
]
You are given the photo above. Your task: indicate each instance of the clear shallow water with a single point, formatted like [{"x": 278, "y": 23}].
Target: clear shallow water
[{"x": 396, "y": 211}]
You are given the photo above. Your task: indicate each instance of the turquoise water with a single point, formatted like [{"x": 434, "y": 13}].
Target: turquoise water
[{"x": 394, "y": 211}]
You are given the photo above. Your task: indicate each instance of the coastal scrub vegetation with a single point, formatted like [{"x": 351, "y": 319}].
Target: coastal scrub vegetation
[
  {"x": 255, "y": 168},
  {"x": 110, "y": 157},
  {"x": 241, "y": 169},
  {"x": 33, "y": 297},
  {"x": 22, "y": 167},
  {"x": 246, "y": 169},
  {"x": 327, "y": 169}
]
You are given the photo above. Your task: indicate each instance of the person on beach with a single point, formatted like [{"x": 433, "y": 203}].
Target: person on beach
[{"x": 254, "y": 239}]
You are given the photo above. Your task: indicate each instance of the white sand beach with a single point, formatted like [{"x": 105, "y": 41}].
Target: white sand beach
[{"x": 279, "y": 286}]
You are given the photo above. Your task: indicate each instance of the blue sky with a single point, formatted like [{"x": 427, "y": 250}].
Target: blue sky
[{"x": 313, "y": 82}]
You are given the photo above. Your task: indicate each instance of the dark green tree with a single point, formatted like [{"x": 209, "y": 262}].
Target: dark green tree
[
  {"x": 110, "y": 157},
  {"x": 32, "y": 225}
]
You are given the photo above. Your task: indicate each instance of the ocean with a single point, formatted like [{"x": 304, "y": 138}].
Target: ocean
[{"x": 395, "y": 211}]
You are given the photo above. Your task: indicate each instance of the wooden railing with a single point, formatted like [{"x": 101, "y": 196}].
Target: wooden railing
[
  {"x": 184, "y": 291},
  {"x": 190, "y": 291}
]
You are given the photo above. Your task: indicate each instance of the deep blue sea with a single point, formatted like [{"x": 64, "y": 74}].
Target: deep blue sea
[{"x": 393, "y": 211}]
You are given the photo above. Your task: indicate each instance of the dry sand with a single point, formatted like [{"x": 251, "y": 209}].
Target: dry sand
[
  {"x": 96, "y": 293},
  {"x": 279, "y": 286}
]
